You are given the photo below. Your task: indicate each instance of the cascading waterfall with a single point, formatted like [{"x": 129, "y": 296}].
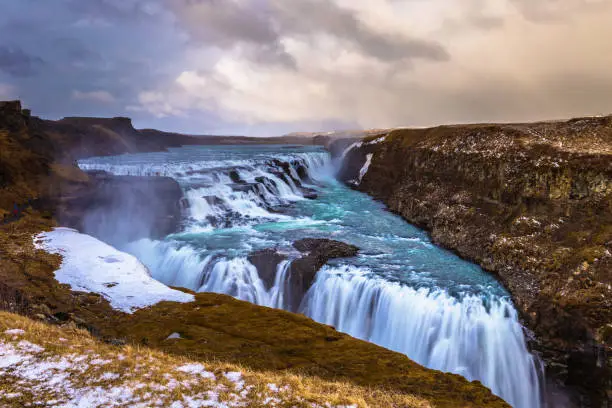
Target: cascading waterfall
[
  {"x": 235, "y": 205},
  {"x": 433, "y": 328},
  {"x": 365, "y": 167},
  {"x": 238, "y": 278}
]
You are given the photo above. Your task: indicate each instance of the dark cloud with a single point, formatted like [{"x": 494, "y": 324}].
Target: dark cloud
[
  {"x": 272, "y": 66},
  {"x": 90, "y": 48},
  {"x": 118, "y": 10},
  {"x": 225, "y": 22},
  {"x": 16, "y": 62},
  {"x": 76, "y": 51},
  {"x": 262, "y": 24},
  {"x": 309, "y": 17}
]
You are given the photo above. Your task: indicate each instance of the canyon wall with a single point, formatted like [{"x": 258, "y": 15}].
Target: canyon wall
[{"x": 532, "y": 203}]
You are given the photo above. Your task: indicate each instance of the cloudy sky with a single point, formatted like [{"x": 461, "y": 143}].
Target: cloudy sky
[{"x": 266, "y": 67}]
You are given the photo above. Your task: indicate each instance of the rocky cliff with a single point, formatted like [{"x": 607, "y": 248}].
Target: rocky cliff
[{"x": 531, "y": 203}]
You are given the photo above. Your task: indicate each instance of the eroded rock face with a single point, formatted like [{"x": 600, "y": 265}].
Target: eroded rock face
[
  {"x": 120, "y": 209},
  {"x": 531, "y": 203},
  {"x": 266, "y": 261},
  {"x": 303, "y": 270}
]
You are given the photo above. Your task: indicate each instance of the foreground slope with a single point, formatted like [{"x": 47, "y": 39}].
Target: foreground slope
[
  {"x": 529, "y": 202},
  {"x": 212, "y": 327},
  {"x": 47, "y": 365}
]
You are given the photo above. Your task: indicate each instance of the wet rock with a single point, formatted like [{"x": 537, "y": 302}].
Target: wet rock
[
  {"x": 270, "y": 184},
  {"x": 119, "y": 209},
  {"x": 302, "y": 171},
  {"x": 282, "y": 176},
  {"x": 214, "y": 200},
  {"x": 304, "y": 270},
  {"x": 235, "y": 176},
  {"x": 184, "y": 204},
  {"x": 310, "y": 194},
  {"x": 245, "y": 188},
  {"x": 266, "y": 261},
  {"x": 326, "y": 248},
  {"x": 286, "y": 167}
]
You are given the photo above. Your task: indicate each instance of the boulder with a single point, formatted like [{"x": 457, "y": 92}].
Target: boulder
[
  {"x": 235, "y": 176},
  {"x": 304, "y": 270},
  {"x": 266, "y": 261}
]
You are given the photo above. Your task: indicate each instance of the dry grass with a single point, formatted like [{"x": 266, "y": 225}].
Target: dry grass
[{"x": 83, "y": 367}]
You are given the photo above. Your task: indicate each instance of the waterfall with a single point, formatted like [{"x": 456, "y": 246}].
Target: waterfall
[
  {"x": 365, "y": 167},
  {"x": 434, "y": 329},
  {"x": 226, "y": 198},
  {"x": 222, "y": 194},
  {"x": 480, "y": 339}
]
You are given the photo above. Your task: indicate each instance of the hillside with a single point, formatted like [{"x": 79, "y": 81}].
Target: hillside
[
  {"x": 37, "y": 174},
  {"x": 531, "y": 203},
  {"x": 36, "y": 355}
]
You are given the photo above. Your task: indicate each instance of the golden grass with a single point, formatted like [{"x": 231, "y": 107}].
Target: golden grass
[{"x": 149, "y": 372}]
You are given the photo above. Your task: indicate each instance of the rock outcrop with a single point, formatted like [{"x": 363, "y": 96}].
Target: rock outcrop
[
  {"x": 120, "y": 209},
  {"x": 531, "y": 203},
  {"x": 303, "y": 270},
  {"x": 266, "y": 261}
]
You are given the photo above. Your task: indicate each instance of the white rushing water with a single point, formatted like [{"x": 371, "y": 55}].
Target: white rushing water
[
  {"x": 365, "y": 168},
  {"x": 432, "y": 328},
  {"x": 402, "y": 292}
]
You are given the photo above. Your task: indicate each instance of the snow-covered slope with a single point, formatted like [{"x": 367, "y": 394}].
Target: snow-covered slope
[
  {"x": 90, "y": 265},
  {"x": 63, "y": 367}
]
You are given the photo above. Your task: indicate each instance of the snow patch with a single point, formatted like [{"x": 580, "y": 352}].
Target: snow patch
[
  {"x": 30, "y": 347},
  {"x": 109, "y": 376},
  {"x": 196, "y": 369},
  {"x": 78, "y": 381},
  {"x": 377, "y": 141},
  {"x": 124, "y": 282},
  {"x": 236, "y": 378},
  {"x": 14, "y": 332},
  {"x": 365, "y": 167}
]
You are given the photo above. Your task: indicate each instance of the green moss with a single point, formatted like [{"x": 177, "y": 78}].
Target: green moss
[
  {"x": 603, "y": 235},
  {"x": 590, "y": 254}
]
